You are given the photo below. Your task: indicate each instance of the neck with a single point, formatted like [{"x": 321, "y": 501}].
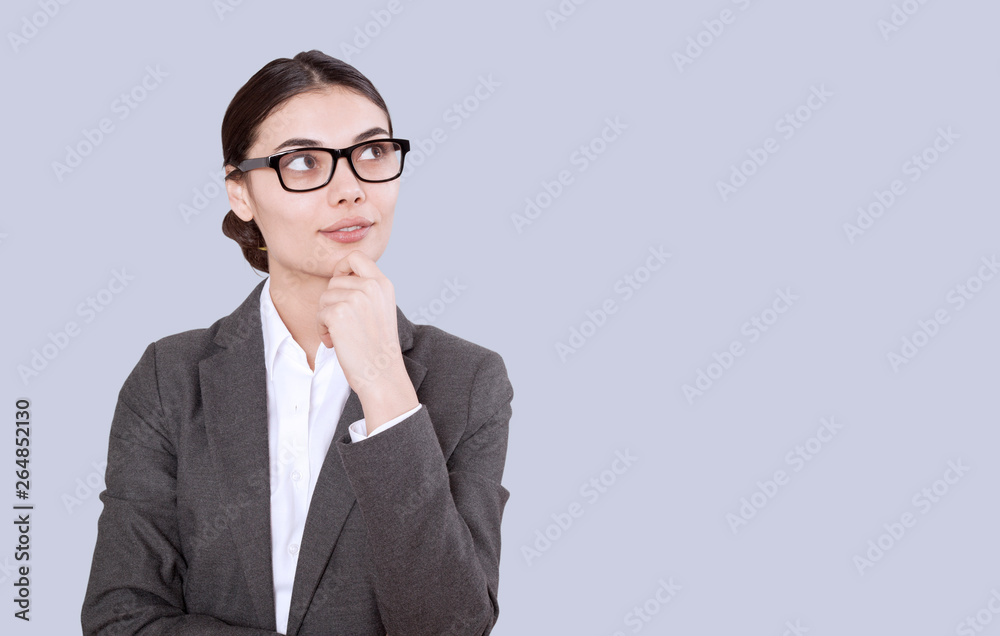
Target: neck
[{"x": 296, "y": 297}]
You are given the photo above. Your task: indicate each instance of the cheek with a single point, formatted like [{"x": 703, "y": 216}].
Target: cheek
[
  {"x": 285, "y": 220},
  {"x": 386, "y": 203}
]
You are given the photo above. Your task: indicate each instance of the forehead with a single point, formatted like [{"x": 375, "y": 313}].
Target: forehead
[{"x": 332, "y": 116}]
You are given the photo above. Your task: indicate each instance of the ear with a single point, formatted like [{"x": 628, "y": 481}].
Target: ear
[{"x": 239, "y": 197}]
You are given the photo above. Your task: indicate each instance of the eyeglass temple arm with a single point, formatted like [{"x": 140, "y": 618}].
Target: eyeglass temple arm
[{"x": 251, "y": 164}]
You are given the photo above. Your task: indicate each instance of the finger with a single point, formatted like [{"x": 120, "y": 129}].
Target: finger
[
  {"x": 345, "y": 282},
  {"x": 344, "y": 266},
  {"x": 349, "y": 296},
  {"x": 358, "y": 263},
  {"x": 324, "y": 334}
]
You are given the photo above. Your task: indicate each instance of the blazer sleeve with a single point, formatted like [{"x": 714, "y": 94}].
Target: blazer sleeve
[
  {"x": 433, "y": 522},
  {"x": 136, "y": 578}
]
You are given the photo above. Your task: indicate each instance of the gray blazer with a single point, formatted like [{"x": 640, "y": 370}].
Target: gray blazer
[{"x": 403, "y": 530}]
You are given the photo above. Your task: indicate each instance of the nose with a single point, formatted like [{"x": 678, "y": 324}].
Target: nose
[{"x": 344, "y": 187}]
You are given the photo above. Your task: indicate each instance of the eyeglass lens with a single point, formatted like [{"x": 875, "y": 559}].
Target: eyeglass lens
[{"x": 306, "y": 169}]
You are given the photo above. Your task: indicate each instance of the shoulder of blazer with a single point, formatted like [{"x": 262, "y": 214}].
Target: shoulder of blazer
[
  {"x": 463, "y": 378},
  {"x": 196, "y": 344},
  {"x": 169, "y": 367},
  {"x": 432, "y": 346}
]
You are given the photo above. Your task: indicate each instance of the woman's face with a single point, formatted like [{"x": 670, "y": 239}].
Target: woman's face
[{"x": 298, "y": 226}]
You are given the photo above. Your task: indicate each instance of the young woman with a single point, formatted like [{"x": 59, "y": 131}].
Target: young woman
[{"x": 313, "y": 463}]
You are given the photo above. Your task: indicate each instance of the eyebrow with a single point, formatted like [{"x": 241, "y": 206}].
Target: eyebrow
[{"x": 304, "y": 143}]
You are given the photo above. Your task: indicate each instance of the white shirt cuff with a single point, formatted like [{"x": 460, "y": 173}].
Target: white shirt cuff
[{"x": 359, "y": 430}]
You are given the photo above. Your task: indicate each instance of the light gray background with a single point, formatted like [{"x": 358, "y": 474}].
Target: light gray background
[{"x": 664, "y": 517}]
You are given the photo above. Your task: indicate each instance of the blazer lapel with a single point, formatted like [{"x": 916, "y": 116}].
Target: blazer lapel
[
  {"x": 333, "y": 497},
  {"x": 233, "y": 387}
]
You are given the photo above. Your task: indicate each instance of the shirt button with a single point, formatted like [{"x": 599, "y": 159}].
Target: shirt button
[
  {"x": 292, "y": 549},
  {"x": 296, "y": 475}
]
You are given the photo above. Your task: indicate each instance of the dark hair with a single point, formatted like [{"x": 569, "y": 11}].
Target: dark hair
[{"x": 269, "y": 88}]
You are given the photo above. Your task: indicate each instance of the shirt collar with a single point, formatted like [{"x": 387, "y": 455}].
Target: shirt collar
[
  {"x": 276, "y": 333},
  {"x": 274, "y": 329}
]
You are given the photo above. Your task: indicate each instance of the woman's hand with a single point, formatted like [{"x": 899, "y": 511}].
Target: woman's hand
[{"x": 357, "y": 318}]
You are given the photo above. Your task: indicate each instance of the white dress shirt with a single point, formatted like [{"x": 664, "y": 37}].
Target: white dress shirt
[{"x": 303, "y": 408}]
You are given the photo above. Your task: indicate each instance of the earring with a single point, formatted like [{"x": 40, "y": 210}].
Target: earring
[{"x": 262, "y": 248}]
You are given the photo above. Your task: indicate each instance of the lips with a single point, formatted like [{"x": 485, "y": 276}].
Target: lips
[
  {"x": 349, "y": 224},
  {"x": 349, "y": 230}
]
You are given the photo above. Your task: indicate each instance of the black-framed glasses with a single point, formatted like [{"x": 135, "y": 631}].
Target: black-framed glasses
[{"x": 305, "y": 169}]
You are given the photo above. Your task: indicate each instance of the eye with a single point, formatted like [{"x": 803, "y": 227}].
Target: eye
[
  {"x": 374, "y": 151},
  {"x": 300, "y": 161}
]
